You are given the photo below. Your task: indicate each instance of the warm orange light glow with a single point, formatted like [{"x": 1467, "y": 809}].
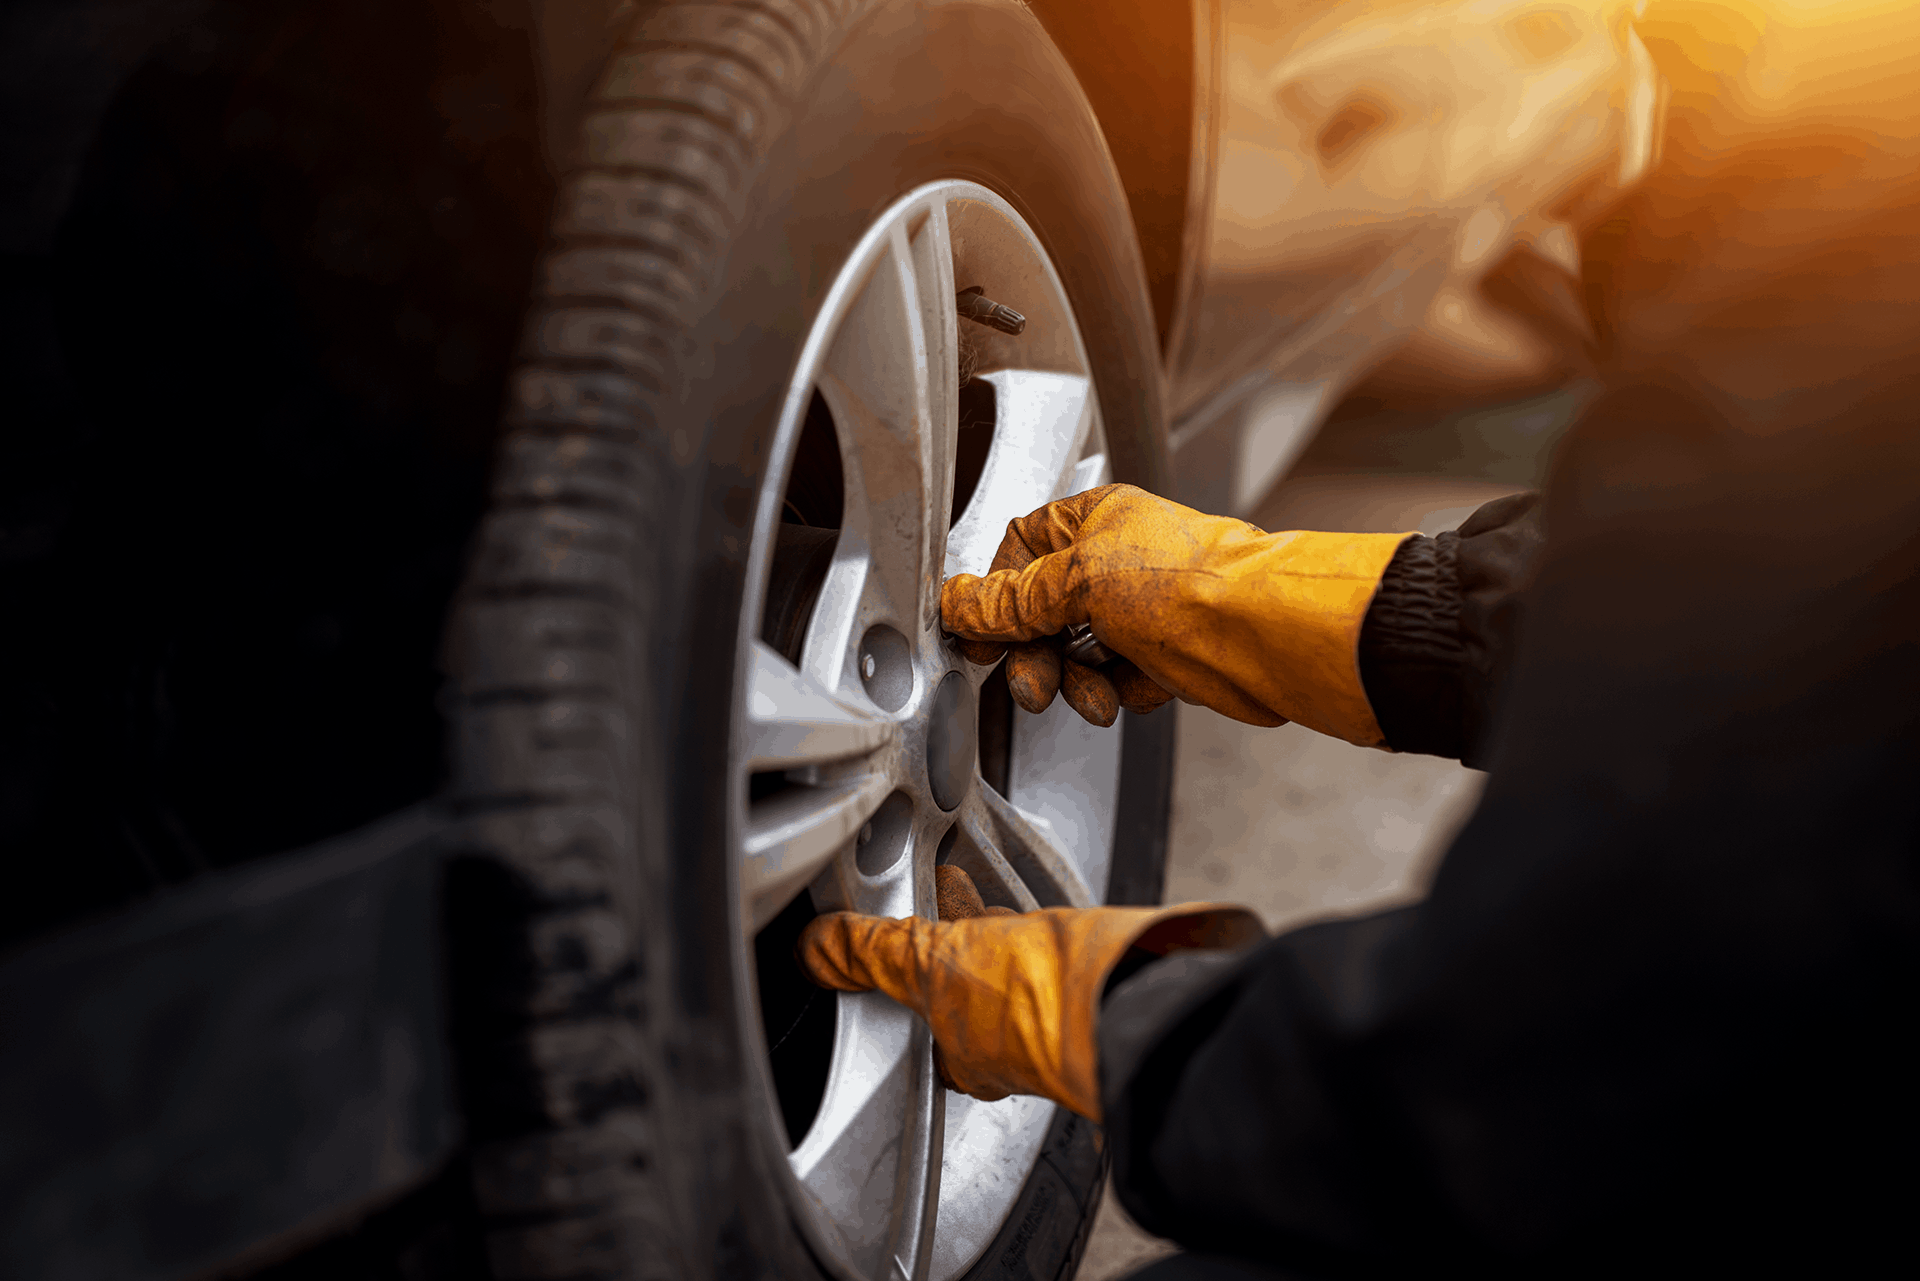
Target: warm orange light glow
[{"x": 1853, "y": 62}]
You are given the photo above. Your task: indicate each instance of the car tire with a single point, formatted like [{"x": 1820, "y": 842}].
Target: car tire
[{"x": 731, "y": 157}]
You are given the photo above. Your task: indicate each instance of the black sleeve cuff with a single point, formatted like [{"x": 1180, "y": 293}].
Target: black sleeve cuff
[
  {"x": 1436, "y": 641},
  {"x": 1410, "y": 649}
]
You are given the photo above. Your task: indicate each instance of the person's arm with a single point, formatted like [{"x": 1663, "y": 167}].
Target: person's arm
[
  {"x": 1386, "y": 640},
  {"x": 1656, "y": 991},
  {"x": 1262, "y": 627}
]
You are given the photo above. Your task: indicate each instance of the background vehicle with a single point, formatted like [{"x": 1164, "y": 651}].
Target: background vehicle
[{"x": 278, "y": 271}]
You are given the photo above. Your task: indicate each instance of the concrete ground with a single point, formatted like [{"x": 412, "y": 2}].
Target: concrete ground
[{"x": 1299, "y": 826}]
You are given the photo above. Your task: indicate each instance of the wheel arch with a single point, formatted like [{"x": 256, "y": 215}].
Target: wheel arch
[{"x": 1147, "y": 69}]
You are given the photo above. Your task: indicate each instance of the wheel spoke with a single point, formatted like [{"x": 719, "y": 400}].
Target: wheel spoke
[
  {"x": 879, "y": 1190},
  {"x": 931, "y": 244},
  {"x": 889, "y": 379},
  {"x": 918, "y": 1200},
  {"x": 1042, "y": 421},
  {"x": 977, "y": 853},
  {"x": 1028, "y": 845},
  {"x": 792, "y": 721},
  {"x": 990, "y": 1148},
  {"x": 827, "y": 653},
  {"x": 794, "y": 833}
]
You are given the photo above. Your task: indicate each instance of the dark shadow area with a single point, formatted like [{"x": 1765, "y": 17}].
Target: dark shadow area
[
  {"x": 996, "y": 730},
  {"x": 431, "y": 1234},
  {"x": 802, "y": 555},
  {"x": 492, "y": 975},
  {"x": 816, "y": 487},
  {"x": 797, "y": 1017},
  {"x": 254, "y": 384},
  {"x": 979, "y": 415}
]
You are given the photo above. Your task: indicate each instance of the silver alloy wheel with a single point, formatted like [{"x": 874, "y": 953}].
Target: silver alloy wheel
[{"x": 874, "y": 729}]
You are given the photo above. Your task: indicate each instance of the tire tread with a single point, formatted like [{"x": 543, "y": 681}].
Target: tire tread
[{"x": 546, "y": 639}]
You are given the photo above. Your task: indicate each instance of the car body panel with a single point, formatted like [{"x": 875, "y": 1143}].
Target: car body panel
[
  {"x": 231, "y": 1067},
  {"x": 1365, "y": 159}
]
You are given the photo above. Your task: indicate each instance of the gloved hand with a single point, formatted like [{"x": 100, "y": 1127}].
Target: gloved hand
[
  {"x": 1013, "y": 999},
  {"x": 1261, "y": 627}
]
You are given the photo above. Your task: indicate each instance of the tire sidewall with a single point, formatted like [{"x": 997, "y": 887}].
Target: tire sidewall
[{"x": 914, "y": 93}]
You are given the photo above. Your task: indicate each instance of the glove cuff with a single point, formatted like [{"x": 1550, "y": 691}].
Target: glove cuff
[
  {"x": 1013, "y": 1001},
  {"x": 1305, "y": 596},
  {"x": 1031, "y": 1027}
]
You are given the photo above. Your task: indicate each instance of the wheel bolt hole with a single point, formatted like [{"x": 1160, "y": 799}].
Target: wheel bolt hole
[
  {"x": 886, "y": 667},
  {"x": 883, "y": 840}
]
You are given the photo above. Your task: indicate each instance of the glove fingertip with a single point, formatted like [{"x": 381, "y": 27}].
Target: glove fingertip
[
  {"x": 1090, "y": 694},
  {"x": 982, "y": 653},
  {"x": 1033, "y": 696},
  {"x": 1033, "y": 675},
  {"x": 955, "y": 894},
  {"x": 824, "y": 949},
  {"x": 1138, "y": 691}
]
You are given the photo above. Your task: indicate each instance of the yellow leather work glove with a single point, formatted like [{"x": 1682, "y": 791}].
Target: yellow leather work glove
[
  {"x": 1261, "y": 627},
  {"x": 1013, "y": 999}
]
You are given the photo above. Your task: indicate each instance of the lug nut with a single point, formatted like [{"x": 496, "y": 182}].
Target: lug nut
[
  {"x": 1084, "y": 647},
  {"x": 867, "y": 666}
]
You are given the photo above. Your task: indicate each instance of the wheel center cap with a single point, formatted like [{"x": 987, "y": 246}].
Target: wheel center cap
[{"x": 951, "y": 733}]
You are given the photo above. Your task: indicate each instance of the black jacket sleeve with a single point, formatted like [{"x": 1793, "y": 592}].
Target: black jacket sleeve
[
  {"x": 1657, "y": 1005},
  {"x": 1437, "y": 639},
  {"x": 1655, "y": 1013}
]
